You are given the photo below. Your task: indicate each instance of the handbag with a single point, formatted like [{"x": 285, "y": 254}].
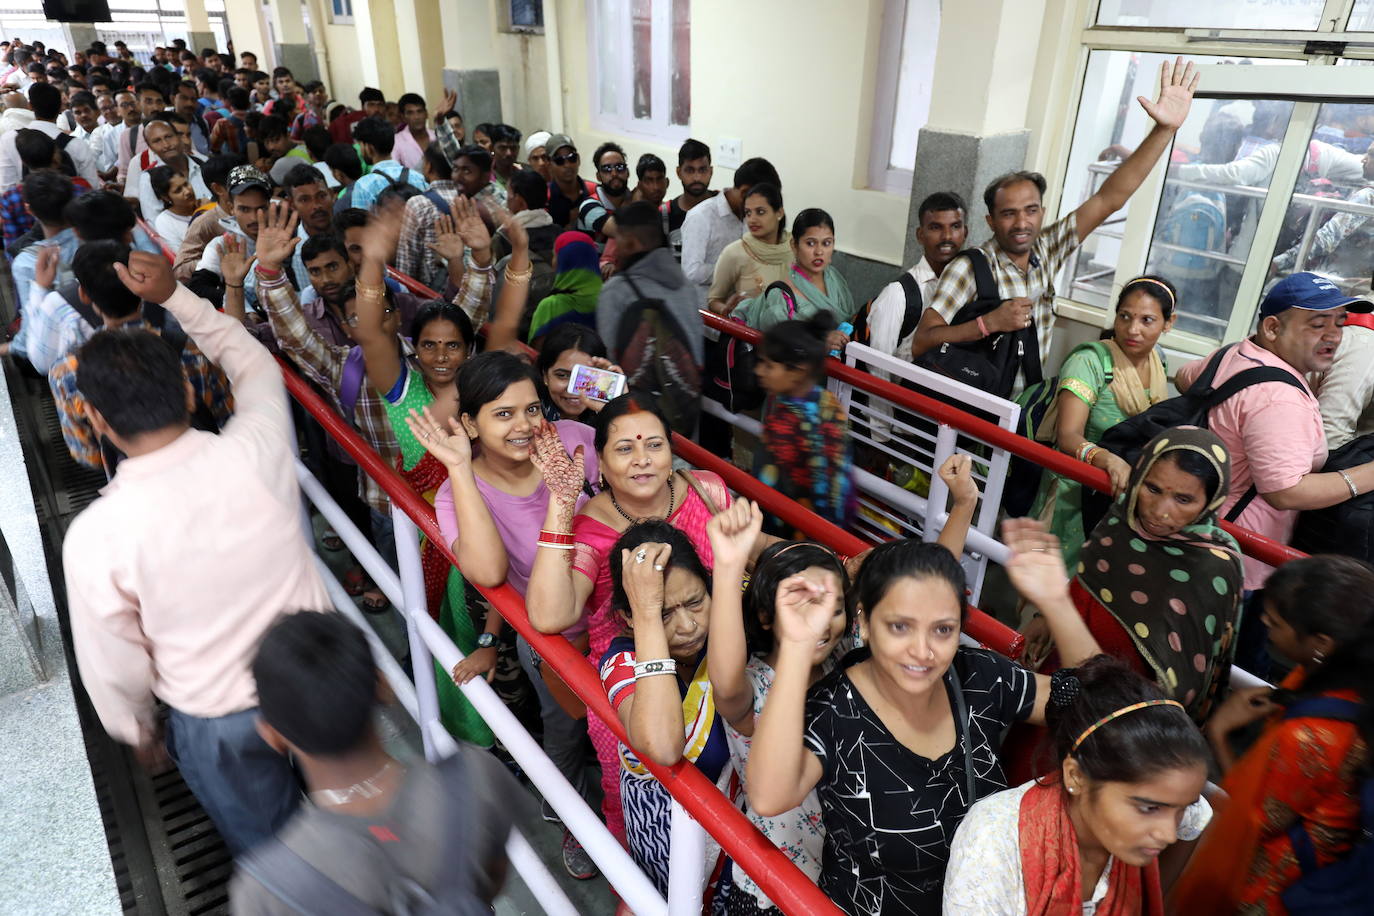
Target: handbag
[
  {"x": 992, "y": 363},
  {"x": 734, "y": 362}
]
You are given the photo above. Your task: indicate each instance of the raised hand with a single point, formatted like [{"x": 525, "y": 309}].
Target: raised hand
[
  {"x": 452, "y": 448},
  {"x": 45, "y": 271},
  {"x": 1036, "y": 567},
  {"x": 642, "y": 572},
  {"x": 277, "y": 235},
  {"x": 147, "y": 276},
  {"x": 383, "y": 231},
  {"x": 515, "y": 233},
  {"x": 444, "y": 107},
  {"x": 467, "y": 222},
  {"x": 447, "y": 244},
  {"x": 733, "y": 533},
  {"x": 564, "y": 474},
  {"x": 1177, "y": 83},
  {"x": 803, "y": 609},
  {"x": 234, "y": 259},
  {"x": 957, "y": 473}
]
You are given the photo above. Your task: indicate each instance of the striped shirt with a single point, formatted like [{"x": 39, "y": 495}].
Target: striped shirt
[{"x": 957, "y": 288}]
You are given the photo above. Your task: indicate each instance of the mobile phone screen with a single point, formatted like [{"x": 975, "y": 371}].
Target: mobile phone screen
[{"x": 596, "y": 384}]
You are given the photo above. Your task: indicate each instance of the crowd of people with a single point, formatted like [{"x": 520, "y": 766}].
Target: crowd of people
[{"x": 172, "y": 225}]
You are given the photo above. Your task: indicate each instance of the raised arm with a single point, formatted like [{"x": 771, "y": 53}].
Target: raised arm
[
  {"x": 515, "y": 292},
  {"x": 781, "y": 769},
  {"x": 1177, "y": 82},
  {"x": 1036, "y": 569},
  {"x": 652, "y": 714},
  {"x": 234, "y": 263},
  {"x": 557, "y": 592},
  {"x": 732, "y": 533},
  {"x": 957, "y": 473},
  {"x": 380, "y": 353}
]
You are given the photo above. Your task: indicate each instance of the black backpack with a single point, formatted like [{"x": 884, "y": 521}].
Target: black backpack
[
  {"x": 300, "y": 885},
  {"x": 911, "y": 290},
  {"x": 400, "y": 185},
  {"x": 1346, "y": 886},
  {"x": 1128, "y": 438},
  {"x": 1347, "y": 527},
  {"x": 651, "y": 347},
  {"x": 990, "y": 364}
]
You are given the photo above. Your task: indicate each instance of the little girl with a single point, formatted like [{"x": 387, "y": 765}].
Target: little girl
[
  {"x": 179, "y": 197},
  {"x": 806, "y": 448}
]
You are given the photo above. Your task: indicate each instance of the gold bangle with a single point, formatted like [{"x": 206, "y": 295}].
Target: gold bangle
[
  {"x": 370, "y": 291},
  {"x": 522, "y": 276}
]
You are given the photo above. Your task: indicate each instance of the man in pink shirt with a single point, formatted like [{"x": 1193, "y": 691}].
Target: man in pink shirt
[
  {"x": 189, "y": 555},
  {"x": 415, "y": 137},
  {"x": 1274, "y": 430}
]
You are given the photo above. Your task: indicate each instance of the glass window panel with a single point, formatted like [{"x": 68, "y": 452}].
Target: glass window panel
[
  {"x": 1362, "y": 18},
  {"x": 1329, "y": 226},
  {"x": 916, "y": 73},
  {"x": 682, "y": 62},
  {"x": 642, "y": 52},
  {"x": 1223, "y": 164},
  {"x": 1213, "y": 14},
  {"x": 609, "y": 55},
  {"x": 526, "y": 13}
]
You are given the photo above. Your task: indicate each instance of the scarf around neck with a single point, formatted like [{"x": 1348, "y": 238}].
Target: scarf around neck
[
  {"x": 837, "y": 299},
  {"x": 767, "y": 252},
  {"x": 1051, "y": 867},
  {"x": 1176, "y": 597}
]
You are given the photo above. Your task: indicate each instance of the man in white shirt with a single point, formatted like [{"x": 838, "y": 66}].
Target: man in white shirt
[
  {"x": 941, "y": 232},
  {"x": 717, "y": 222},
  {"x": 46, "y": 101},
  {"x": 1345, "y": 392},
  {"x": 17, "y": 114},
  {"x": 165, "y": 147}
]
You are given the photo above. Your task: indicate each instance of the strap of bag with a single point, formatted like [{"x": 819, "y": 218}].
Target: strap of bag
[
  {"x": 914, "y": 304},
  {"x": 787, "y": 296},
  {"x": 351, "y": 382},
  {"x": 984, "y": 282},
  {"x": 1242, "y": 504},
  {"x": 71, "y": 291},
  {"x": 700, "y": 491},
  {"x": 961, "y": 718},
  {"x": 297, "y": 883},
  {"x": 437, "y": 199},
  {"x": 1247, "y": 377}
]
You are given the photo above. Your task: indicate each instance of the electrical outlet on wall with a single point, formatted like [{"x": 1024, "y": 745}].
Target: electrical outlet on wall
[{"x": 729, "y": 153}]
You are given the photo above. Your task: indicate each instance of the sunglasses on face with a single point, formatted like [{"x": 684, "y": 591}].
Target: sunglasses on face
[
  {"x": 563, "y": 160},
  {"x": 614, "y": 167}
]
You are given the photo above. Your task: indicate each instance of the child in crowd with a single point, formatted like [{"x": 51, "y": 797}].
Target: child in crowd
[
  {"x": 807, "y": 452},
  {"x": 179, "y": 197},
  {"x": 1088, "y": 837}
]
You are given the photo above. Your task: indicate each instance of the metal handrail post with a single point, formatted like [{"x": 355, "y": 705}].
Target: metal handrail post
[
  {"x": 413, "y": 604},
  {"x": 686, "y": 863}
]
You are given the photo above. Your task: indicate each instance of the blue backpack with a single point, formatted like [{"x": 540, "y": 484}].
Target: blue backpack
[
  {"x": 1198, "y": 222},
  {"x": 1345, "y": 887}
]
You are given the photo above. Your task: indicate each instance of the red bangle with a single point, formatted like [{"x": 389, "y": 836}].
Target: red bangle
[
  {"x": 556, "y": 537},
  {"x": 981, "y": 326}
]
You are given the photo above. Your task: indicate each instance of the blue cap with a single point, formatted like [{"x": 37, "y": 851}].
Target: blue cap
[{"x": 1309, "y": 291}]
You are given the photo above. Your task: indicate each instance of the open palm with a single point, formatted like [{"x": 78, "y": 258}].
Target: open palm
[
  {"x": 451, "y": 447},
  {"x": 1177, "y": 83}
]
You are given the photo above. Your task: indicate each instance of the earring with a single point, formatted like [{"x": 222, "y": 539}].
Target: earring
[
  {"x": 1072, "y": 790},
  {"x": 1318, "y": 656},
  {"x": 602, "y": 482}
]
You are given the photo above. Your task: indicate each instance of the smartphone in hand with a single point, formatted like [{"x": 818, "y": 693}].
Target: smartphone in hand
[{"x": 596, "y": 384}]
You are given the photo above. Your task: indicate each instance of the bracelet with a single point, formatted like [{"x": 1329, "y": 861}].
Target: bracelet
[
  {"x": 982, "y": 326},
  {"x": 522, "y": 276},
  {"x": 270, "y": 273},
  {"x": 1084, "y": 448},
  {"x": 234, "y": 285},
  {"x": 1354, "y": 490},
  {"x": 555, "y": 537},
  {"x": 370, "y": 291},
  {"x": 654, "y": 668},
  {"x": 554, "y": 546}
]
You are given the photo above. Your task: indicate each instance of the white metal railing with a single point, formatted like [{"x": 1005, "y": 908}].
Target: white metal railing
[{"x": 428, "y": 642}]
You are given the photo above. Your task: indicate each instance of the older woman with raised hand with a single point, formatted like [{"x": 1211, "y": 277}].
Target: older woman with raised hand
[
  {"x": 1102, "y": 383},
  {"x": 1159, "y": 582},
  {"x": 634, "y": 447},
  {"x": 903, "y": 736}
]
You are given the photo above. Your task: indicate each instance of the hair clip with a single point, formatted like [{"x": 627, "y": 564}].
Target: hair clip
[{"x": 1064, "y": 688}]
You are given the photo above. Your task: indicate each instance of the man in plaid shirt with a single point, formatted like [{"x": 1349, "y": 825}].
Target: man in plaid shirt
[
  {"x": 1025, "y": 259},
  {"x": 415, "y": 255}
]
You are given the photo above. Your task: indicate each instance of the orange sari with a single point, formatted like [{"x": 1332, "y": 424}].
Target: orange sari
[{"x": 1300, "y": 769}]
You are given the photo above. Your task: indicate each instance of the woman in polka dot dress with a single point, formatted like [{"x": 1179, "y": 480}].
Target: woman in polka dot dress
[{"x": 1159, "y": 582}]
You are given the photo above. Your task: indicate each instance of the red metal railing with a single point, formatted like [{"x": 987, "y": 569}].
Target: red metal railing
[
  {"x": 782, "y": 881},
  {"x": 1252, "y": 543}
]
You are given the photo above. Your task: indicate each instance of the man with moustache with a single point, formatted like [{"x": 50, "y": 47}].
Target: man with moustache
[{"x": 612, "y": 190}]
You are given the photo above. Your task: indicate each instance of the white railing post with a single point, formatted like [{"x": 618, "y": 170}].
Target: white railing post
[
  {"x": 686, "y": 863},
  {"x": 938, "y": 500},
  {"x": 413, "y": 598}
]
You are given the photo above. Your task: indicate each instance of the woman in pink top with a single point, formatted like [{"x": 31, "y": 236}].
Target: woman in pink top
[
  {"x": 638, "y": 483},
  {"x": 497, "y": 498}
]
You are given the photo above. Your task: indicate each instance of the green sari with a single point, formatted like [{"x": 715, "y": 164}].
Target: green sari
[
  {"x": 1098, "y": 374},
  {"x": 762, "y": 312}
]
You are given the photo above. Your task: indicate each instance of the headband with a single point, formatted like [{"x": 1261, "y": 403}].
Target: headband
[
  {"x": 1168, "y": 292},
  {"x": 806, "y": 544},
  {"x": 1120, "y": 712}
]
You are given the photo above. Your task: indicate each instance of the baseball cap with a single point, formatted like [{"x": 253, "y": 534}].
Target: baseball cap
[
  {"x": 1309, "y": 291},
  {"x": 246, "y": 177},
  {"x": 557, "y": 142}
]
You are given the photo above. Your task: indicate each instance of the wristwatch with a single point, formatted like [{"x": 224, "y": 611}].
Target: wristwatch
[{"x": 486, "y": 641}]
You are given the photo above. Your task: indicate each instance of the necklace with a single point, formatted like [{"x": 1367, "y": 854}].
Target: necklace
[
  {"x": 672, "y": 500},
  {"x": 367, "y": 788}
]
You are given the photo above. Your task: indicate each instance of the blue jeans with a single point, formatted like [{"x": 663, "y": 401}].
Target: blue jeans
[{"x": 248, "y": 789}]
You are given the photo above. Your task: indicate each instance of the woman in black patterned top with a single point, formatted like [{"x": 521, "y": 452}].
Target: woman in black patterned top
[{"x": 879, "y": 739}]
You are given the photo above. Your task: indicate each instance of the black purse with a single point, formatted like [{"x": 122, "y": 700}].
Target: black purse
[
  {"x": 990, "y": 364},
  {"x": 730, "y": 364}
]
